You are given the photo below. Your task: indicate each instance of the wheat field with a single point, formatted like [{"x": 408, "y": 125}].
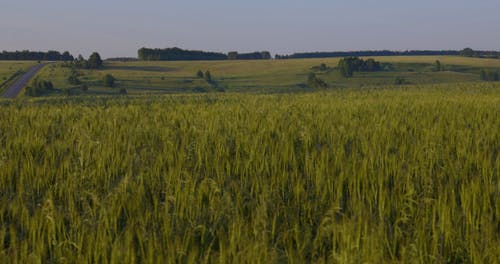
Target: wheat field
[{"x": 394, "y": 174}]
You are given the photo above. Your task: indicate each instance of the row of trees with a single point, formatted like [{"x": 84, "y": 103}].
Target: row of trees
[
  {"x": 36, "y": 55},
  {"x": 369, "y": 53},
  {"x": 177, "y": 54},
  {"x": 347, "y": 66},
  {"x": 468, "y": 52},
  {"x": 263, "y": 55},
  {"x": 93, "y": 62},
  {"x": 207, "y": 75}
]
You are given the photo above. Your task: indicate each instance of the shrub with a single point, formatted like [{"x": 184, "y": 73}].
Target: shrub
[
  {"x": 109, "y": 80},
  {"x": 208, "y": 76},
  {"x": 400, "y": 81},
  {"x": 199, "y": 74},
  {"x": 39, "y": 87},
  {"x": 314, "y": 82},
  {"x": 73, "y": 80},
  {"x": 489, "y": 75}
]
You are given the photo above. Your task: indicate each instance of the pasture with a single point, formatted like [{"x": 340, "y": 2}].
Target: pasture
[{"x": 268, "y": 76}]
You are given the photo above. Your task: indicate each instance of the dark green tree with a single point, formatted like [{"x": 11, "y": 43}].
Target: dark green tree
[
  {"x": 108, "y": 80},
  {"x": 467, "y": 52},
  {"x": 199, "y": 74},
  {"x": 95, "y": 61},
  {"x": 438, "y": 65},
  {"x": 314, "y": 82},
  {"x": 208, "y": 76},
  {"x": 233, "y": 55},
  {"x": 345, "y": 68}
]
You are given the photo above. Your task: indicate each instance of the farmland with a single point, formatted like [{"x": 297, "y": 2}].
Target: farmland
[
  {"x": 356, "y": 175},
  {"x": 260, "y": 76}
]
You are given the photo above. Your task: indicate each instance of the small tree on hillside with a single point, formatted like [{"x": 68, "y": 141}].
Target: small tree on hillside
[
  {"x": 109, "y": 80},
  {"x": 208, "y": 76},
  {"x": 95, "y": 61},
  {"x": 199, "y": 74},
  {"x": 439, "y": 67}
]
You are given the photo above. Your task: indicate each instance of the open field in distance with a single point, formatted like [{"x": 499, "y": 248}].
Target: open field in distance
[{"x": 262, "y": 76}]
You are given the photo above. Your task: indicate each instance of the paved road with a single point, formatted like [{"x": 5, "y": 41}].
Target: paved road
[{"x": 21, "y": 82}]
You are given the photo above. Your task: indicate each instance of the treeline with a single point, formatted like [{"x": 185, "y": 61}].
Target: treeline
[
  {"x": 340, "y": 54},
  {"x": 94, "y": 62},
  {"x": 50, "y": 55},
  {"x": 468, "y": 52},
  {"x": 347, "y": 66},
  {"x": 177, "y": 54},
  {"x": 263, "y": 55}
]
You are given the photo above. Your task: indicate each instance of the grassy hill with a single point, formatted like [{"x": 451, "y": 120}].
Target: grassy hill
[
  {"x": 268, "y": 172},
  {"x": 267, "y": 76}
]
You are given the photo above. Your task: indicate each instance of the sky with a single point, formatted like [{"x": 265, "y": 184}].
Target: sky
[{"x": 118, "y": 28}]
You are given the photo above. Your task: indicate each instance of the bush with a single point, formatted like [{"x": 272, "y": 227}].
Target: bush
[
  {"x": 489, "y": 75},
  {"x": 73, "y": 80},
  {"x": 400, "y": 81},
  {"x": 347, "y": 66},
  {"x": 314, "y": 82},
  {"x": 85, "y": 88},
  {"x": 39, "y": 87},
  {"x": 109, "y": 80},
  {"x": 199, "y": 74},
  {"x": 123, "y": 90},
  {"x": 208, "y": 76}
]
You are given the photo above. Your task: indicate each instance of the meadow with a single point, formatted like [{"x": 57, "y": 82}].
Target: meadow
[
  {"x": 385, "y": 174},
  {"x": 268, "y": 76}
]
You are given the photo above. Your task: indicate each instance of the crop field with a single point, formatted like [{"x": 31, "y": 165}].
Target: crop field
[
  {"x": 268, "y": 76},
  {"x": 358, "y": 175}
]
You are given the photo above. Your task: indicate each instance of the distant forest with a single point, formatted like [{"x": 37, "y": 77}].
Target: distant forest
[
  {"x": 36, "y": 55},
  {"x": 468, "y": 52},
  {"x": 177, "y": 54}
]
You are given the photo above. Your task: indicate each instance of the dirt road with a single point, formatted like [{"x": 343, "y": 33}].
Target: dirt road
[{"x": 20, "y": 83}]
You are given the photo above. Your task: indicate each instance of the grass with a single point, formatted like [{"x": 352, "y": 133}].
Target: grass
[
  {"x": 376, "y": 175},
  {"x": 271, "y": 76}
]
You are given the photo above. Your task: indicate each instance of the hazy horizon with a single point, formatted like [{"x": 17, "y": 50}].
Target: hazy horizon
[{"x": 119, "y": 28}]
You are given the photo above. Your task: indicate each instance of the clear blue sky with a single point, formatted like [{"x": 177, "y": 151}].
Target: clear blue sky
[{"x": 119, "y": 28}]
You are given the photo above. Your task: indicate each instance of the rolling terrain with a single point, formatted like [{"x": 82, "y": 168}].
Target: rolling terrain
[
  {"x": 268, "y": 171},
  {"x": 262, "y": 76}
]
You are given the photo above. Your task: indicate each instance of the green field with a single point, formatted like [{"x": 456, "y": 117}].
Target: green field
[
  {"x": 269, "y": 171},
  {"x": 394, "y": 174},
  {"x": 270, "y": 76}
]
